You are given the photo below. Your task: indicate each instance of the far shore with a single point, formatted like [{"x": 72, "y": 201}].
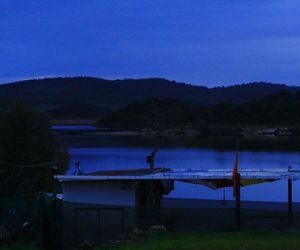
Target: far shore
[
  {"x": 265, "y": 131},
  {"x": 70, "y": 122}
]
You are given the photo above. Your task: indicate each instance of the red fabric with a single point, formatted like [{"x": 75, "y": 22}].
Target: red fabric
[{"x": 235, "y": 172}]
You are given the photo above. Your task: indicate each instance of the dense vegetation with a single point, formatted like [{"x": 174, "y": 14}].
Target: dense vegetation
[
  {"x": 26, "y": 140},
  {"x": 78, "y": 111},
  {"x": 63, "y": 96},
  {"x": 282, "y": 108}
]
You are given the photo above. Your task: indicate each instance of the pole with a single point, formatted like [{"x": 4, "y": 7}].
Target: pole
[
  {"x": 290, "y": 202},
  {"x": 54, "y": 233},
  {"x": 150, "y": 159},
  {"x": 238, "y": 203}
]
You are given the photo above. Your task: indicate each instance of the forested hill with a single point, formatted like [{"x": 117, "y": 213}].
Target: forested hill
[
  {"x": 280, "y": 109},
  {"x": 55, "y": 93}
]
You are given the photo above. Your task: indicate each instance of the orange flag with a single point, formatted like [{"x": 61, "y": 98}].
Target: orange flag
[{"x": 235, "y": 172}]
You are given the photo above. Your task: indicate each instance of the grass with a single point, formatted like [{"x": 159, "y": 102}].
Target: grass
[
  {"x": 16, "y": 246},
  {"x": 256, "y": 240}
]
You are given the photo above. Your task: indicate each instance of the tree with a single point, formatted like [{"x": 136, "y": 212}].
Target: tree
[{"x": 28, "y": 150}]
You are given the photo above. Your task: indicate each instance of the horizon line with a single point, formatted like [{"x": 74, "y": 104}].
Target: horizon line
[{"x": 141, "y": 78}]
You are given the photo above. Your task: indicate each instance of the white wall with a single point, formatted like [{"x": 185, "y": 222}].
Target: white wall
[{"x": 99, "y": 192}]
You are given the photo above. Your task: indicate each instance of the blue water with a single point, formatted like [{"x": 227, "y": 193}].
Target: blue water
[
  {"x": 73, "y": 127},
  {"x": 104, "y": 158}
]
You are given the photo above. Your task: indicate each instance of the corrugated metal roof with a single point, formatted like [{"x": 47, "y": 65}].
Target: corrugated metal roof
[{"x": 181, "y": 174}]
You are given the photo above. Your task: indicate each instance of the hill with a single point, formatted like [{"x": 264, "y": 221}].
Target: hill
[
  {"x": 280, "y": 109},
  {"x": 58, "y": 95}
]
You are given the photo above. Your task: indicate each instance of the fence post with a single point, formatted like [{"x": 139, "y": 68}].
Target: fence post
[{"x": 290, "y": 202}]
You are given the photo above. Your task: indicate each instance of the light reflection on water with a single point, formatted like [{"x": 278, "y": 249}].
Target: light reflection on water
[
  {"x": 73, "y": 127},
  {"x": 93, "y": 159}
]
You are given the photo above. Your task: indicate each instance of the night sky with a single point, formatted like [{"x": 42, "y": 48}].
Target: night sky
[{"x": 213, "y": 42}]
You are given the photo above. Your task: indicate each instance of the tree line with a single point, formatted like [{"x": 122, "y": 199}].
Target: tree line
[{"x": 280, "y": 109}]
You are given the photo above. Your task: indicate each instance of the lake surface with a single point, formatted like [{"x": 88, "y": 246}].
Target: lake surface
[
  {"x": 73, "y": 127},
  {"x": 105, "y": 153}
]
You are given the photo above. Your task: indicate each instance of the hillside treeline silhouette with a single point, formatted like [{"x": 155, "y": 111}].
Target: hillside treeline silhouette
[
  {"x": 59, "y": 95},
  {"x": 280, "y": 109}
]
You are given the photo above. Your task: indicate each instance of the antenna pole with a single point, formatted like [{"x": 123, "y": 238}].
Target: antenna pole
[{"x": 150, "y": 159}]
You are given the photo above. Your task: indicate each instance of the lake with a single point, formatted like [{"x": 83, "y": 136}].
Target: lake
[{"x": 106, "y": 152}]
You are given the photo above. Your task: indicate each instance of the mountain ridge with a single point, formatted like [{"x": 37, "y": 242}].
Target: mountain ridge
[{"x": 53, "y": 93}]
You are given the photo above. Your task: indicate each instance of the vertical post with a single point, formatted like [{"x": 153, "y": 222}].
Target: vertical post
[
  {"x": 54, "y": 173},
  {"x": 5, "y": 211},
  {"x": 238, "y": 202},
  {"x": 152, "y": 164},
  {"x": 150, "y": 159},
  {"x": 54, "y": 235},
  {"x": 290, "y": 202}
]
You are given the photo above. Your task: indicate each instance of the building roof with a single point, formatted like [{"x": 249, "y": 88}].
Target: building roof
[{"x": 182, "y": 174}]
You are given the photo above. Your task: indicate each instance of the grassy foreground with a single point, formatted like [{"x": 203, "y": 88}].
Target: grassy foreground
[
  {"x": 220, "y": 240},
  {"x": 17, "y": 247}
]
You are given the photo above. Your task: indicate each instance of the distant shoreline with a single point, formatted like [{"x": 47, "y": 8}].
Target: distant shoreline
[
  {"x": 82, "y": 124},
  {"x": 70, "y": 122}
]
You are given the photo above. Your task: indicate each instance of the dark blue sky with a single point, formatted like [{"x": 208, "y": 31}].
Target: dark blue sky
[{"x": 213, "y": 42}]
